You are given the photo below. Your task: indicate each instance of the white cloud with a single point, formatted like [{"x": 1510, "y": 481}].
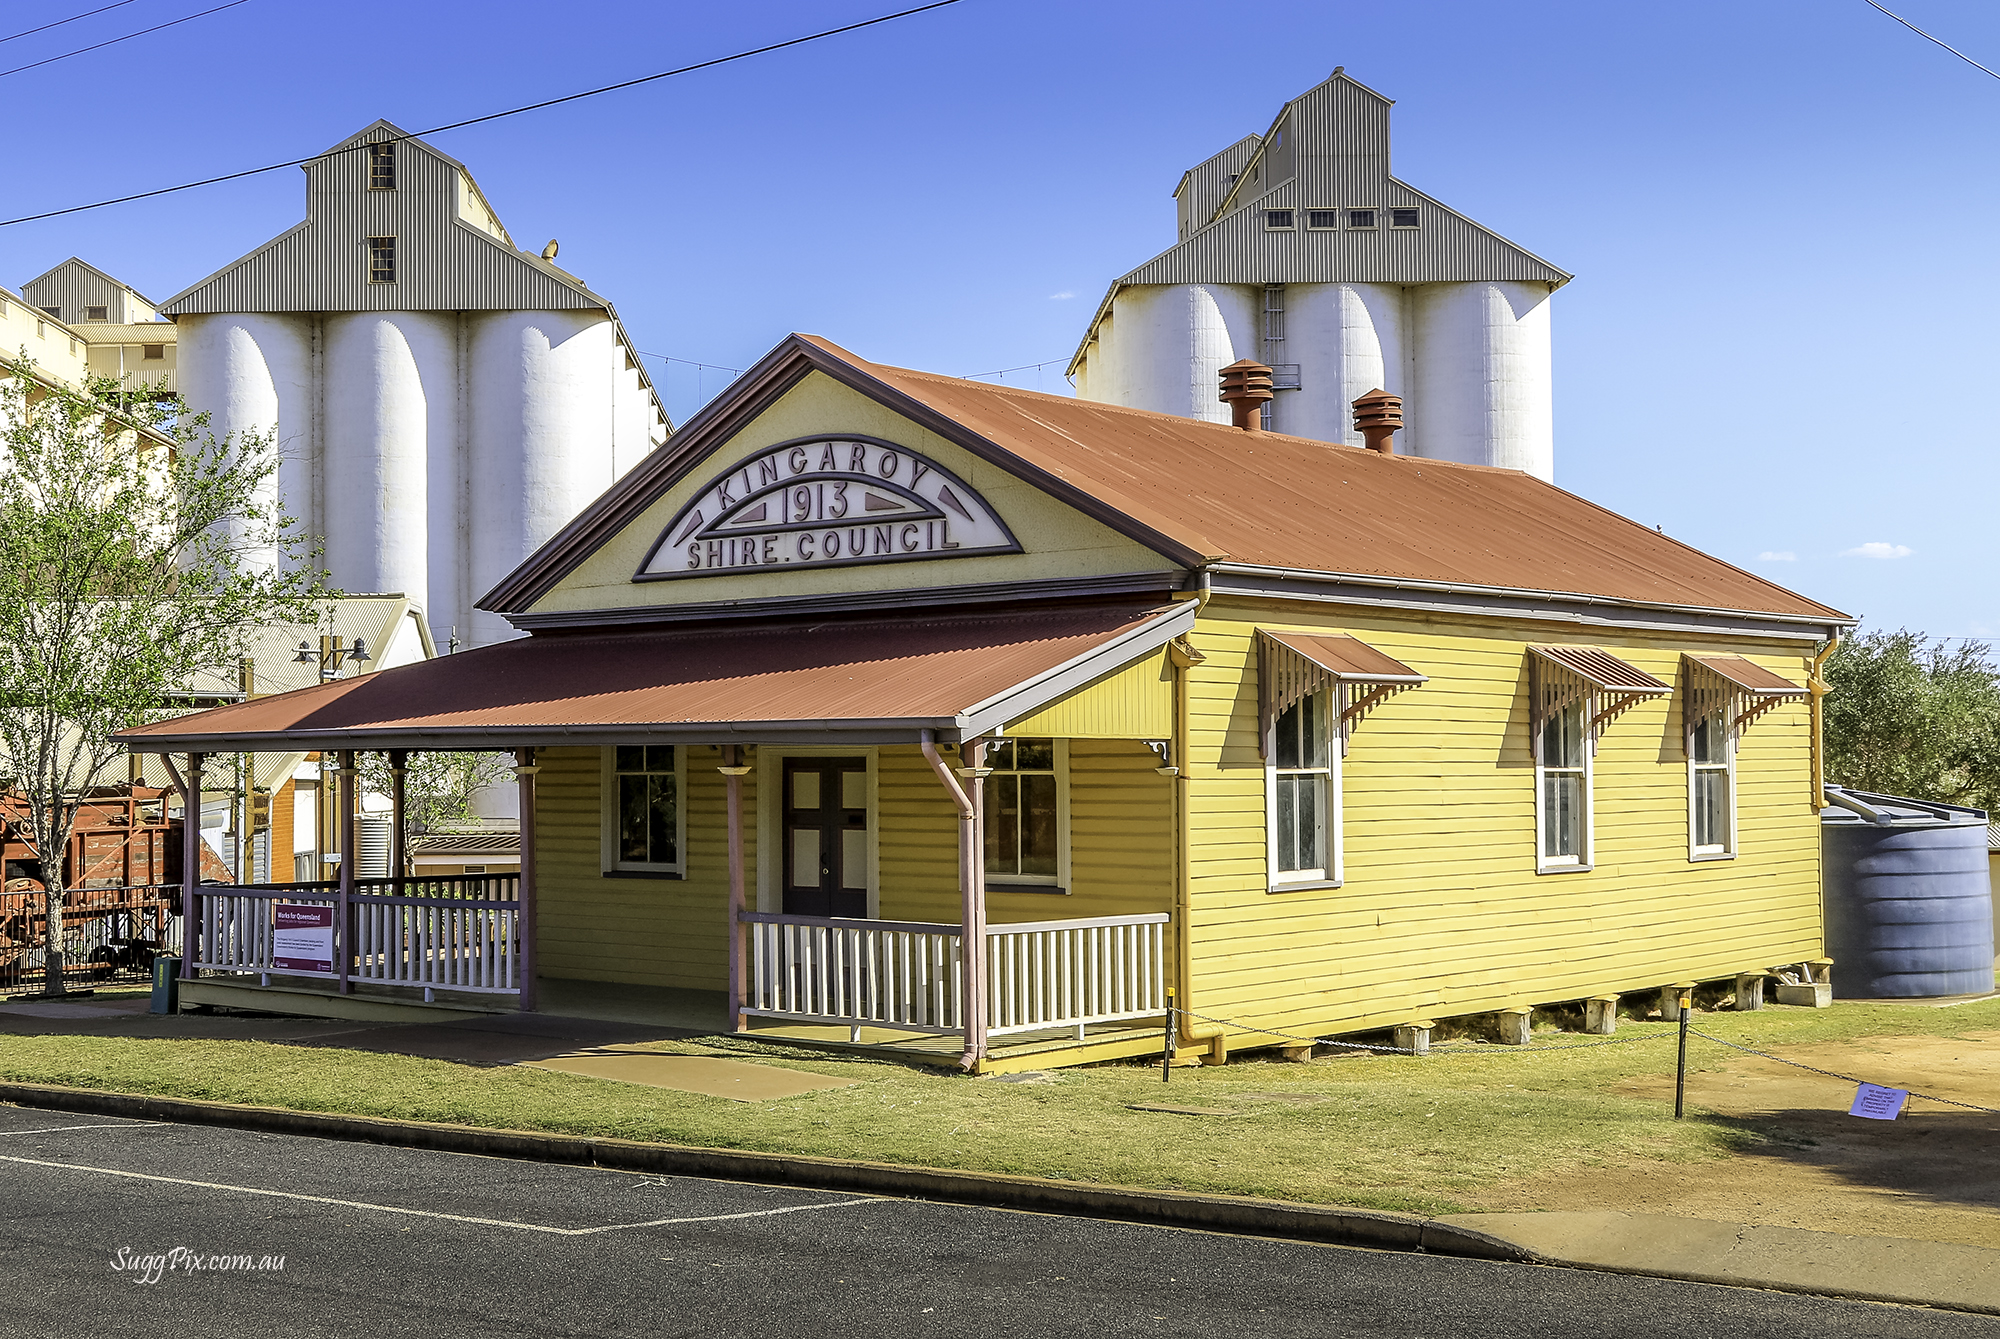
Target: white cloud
[
  {"x": 1061, "y": 297},
  {"x": 1877, "y": 549},
  {"x": 1777, "y": 556}
]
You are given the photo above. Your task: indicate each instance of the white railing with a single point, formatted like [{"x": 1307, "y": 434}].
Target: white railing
[
  {"x": 1040, "y": 976},
  {"x": 461, "y": 943},
  {"x": 899, "y": 974},
  {"x": 1069, "y": 974}
]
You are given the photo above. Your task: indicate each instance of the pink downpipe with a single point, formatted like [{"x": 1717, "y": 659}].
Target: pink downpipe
[{"x": 972, "y": 913}]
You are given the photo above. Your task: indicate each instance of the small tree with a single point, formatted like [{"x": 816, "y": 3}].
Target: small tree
[
  {"x": 438, "y": 788},
  {"x": 136, "y": 553},
  {"x": 1908, "y": 716}
]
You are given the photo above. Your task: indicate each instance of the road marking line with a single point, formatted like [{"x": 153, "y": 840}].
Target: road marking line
[
  {"x": 53, "y": 1129},
  {"x": 430, "y": 1213}
]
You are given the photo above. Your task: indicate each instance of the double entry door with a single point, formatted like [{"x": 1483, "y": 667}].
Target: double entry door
[{"x": 826, "y": 837}]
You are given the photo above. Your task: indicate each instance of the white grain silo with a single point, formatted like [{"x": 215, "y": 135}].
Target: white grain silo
[
  {"x": 444, "y": 402},
  {"x": 1297, "y": 248}
]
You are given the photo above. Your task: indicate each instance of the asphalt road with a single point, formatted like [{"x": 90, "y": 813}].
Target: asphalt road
[{"x": 382, "y": 1241}]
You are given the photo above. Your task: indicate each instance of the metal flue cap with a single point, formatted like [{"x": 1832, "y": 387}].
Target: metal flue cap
[
  {"x": 1245, "y": 386},
  {"x": 1379, "y": 416}
]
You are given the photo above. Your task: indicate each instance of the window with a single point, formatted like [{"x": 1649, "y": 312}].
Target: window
[
  {"x": 1026, "y": 815},
  {"x": 54, "y": 311},
  {"x": 1711, "y": 754},
  {"x": 1360, "y": 218},
  {"x": 152, "y": 353},
  {"x": 1277, "y": 220},
  {"x": 1317, "y": 219},
  {"x": 644, "y": 828},
  {"x": 382, "y": 167},
  {"x": 381, "y": 260},
  {"x": 96, "y": 313},
  {"x": 1302, "y": 793},
  {"x": 1562, "y": 773},
  {"x": 1402, "y": 218}
]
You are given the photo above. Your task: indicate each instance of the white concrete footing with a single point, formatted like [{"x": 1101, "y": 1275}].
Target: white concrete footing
[
  {"x": 1750, "y": 990},
  {"x": 1515, "y": 1026},
  {"x": 1415, "y": 1036},
  {"x": 1670, "y": 1000},
  {"x": 1600, "y": 1015},
  {"x": 1808, "y": 983}
]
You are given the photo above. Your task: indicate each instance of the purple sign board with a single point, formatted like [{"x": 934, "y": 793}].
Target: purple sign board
[
  {"x": 301, "y": 937},
  {"x": 1874, "y": 1102}
]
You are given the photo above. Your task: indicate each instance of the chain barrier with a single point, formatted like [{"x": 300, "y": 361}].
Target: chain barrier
[
  {"x": 1477, "y": 1049},
  {"x": 1845, "y": 1078}
]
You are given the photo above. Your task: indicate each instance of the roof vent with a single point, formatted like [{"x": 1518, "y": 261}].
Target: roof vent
[
  {"x": 1379, "y": 416},
  {"x": 1246, "y": 385}
]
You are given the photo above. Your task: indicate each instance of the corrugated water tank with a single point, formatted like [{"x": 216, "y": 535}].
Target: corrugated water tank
[{"x": 1909, "y": 905}]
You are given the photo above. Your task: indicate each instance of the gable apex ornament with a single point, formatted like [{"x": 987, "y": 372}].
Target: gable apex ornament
[{"x": 830, "y": 501}]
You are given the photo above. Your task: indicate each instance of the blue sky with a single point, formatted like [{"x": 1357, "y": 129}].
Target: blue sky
[{"x": 1780, "y": 340}]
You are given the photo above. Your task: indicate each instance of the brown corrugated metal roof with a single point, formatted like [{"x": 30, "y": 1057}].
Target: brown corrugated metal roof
[
  {"x": 1602, "y": 670},
  {"x": 1347, "y": 659},
  {"x": 1749, "y": 676},
  {"x": 892, "y": 674},
  {"x": 1272, "y": 500}
]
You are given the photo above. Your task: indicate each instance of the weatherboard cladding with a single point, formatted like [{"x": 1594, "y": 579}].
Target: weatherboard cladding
[
  {"x": 444, "y": 263},
  {"x": 1337, "y": 135}
]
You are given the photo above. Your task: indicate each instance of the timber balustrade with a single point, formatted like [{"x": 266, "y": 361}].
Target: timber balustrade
[
  {"x": 460, "y": 932},
  {"x": 909, "y": 975}
]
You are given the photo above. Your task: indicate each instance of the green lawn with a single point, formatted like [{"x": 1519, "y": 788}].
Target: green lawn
[{"x": 1390, "y": 1133}]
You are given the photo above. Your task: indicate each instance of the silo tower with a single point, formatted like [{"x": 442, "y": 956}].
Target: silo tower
[
  {"x": 443, "y": 400},
  {"x": 1299, "y": 249}
]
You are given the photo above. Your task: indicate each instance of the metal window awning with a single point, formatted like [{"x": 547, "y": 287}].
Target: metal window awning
[
  {"x": 1742, "y": 688},
  {"x": 1565, "y": 675},
  {"x": 1293, "y": 665}
]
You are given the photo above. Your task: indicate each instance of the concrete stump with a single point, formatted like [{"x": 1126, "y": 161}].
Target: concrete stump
[
  {"x": 1515, "y": 1029},
  {"x": 1600, "y": 1015}
]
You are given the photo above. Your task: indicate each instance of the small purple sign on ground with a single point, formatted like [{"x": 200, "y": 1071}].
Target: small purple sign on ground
[
  {"x": 301, "y": 937},
  {"x": 1877, "y": 1103}
]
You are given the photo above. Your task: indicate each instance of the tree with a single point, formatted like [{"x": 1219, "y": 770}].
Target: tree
[
  {"x": 1911, "y": 717},
  {"x": 136, "y": 553},
  {"x": 438, "y": 787}
]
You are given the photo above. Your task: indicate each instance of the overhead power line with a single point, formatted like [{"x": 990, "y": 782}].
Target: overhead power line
[
  {"x": 490, "y": 116},
  {"x": 114, "y": 41},
  {"x": 30, "y": 32},
  {"x": 1928, "y": 38},
  {"x": 1024, "y": 367}
]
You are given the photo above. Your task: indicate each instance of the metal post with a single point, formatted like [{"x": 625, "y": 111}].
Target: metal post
[
  {"x": 349, "y": 775},
  {"x": 398, "y": 824},
  {"x": 524, "y": 773},
  {"x": 1167, "y": 1042},
  {"x": 733, "y": 770},
  {"x": 1681, "y": 1065},
  {"x": 190, "y": 862}
]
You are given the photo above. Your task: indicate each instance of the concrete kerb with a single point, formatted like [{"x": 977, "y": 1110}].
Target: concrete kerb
[
  {"x": 1216, "y": 1213},
  {"x": 1373, "y": 1229}
]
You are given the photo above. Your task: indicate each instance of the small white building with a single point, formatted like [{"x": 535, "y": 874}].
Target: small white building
[
  {"x": 444, "y": 401},
  {"x": 1299, "y": 249}
]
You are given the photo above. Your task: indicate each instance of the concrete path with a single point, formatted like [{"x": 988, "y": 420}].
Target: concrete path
[
  {"x": 1881, "y": 1268},
  {"x": 127, "y": 1227}
]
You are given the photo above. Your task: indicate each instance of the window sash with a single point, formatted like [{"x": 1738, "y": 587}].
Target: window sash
[
  {"x": 1022, "y": 806},
  {"x": 643, "y": 800},
  {"x": 1303, "y": 792}
]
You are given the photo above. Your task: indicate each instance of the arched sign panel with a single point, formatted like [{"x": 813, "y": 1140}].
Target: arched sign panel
[{"x": 826, "y": 502}]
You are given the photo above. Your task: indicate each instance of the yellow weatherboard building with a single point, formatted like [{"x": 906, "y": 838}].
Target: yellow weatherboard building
[{"x": 887, "y": 709}]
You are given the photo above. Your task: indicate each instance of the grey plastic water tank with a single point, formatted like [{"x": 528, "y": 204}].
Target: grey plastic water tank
[{"x": 1909, "y": 905}]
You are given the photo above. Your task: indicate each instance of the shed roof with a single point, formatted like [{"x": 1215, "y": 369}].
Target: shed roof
[
  {"x": 854, "y": 680},
  {"x": 1202, "y": 492}
]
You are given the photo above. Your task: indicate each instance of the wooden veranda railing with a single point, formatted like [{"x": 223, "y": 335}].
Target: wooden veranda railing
[
  {"x": 459, "y": 933},
  {"x": 909, "y": 975}
]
